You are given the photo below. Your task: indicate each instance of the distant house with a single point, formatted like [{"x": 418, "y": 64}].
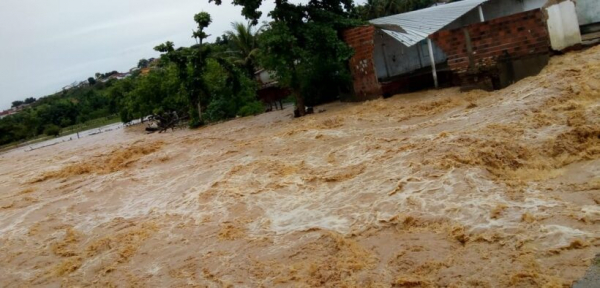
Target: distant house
[
  {"x": 5, "y": 113},
  {"x": 269, "y": 91},
  {"x": 20, "y": 107},
  {"x": 468, "y": 43},
  {"x": 82, "y": 84},
  {"x": 120, "y": 76},
  {"x": 13, "y": 110}
]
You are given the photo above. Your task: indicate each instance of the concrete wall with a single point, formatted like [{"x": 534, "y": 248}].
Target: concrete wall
[
  {"x": 361, "y": 39},
  {"x": 265, "y": 77},
  {"x": 533, "y": 4},
  {"x": 563, "y": 25},
  {"x": 588, "y": 11},
  {"x": 392, "y": 58}
]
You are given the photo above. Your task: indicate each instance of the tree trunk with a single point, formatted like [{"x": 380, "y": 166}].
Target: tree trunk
[
  {"x": 200, "y": 111},
  {"x": 300, "y": 103}
]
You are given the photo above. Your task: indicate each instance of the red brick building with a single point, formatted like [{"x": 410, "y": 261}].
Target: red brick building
[{"x": 483, "y": 43}]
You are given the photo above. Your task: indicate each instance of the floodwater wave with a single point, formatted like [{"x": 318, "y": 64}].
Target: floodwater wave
[{"x": 434, "y": 188}]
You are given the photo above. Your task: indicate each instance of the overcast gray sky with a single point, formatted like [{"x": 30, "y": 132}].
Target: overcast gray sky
[{"x": 46, "y": 45}]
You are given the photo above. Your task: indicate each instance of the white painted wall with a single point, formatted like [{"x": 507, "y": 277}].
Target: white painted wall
[
  {"x": 563, "y": 25},
  {"x": 401, "y": 59},
  {"x": 265, "y": 76},
  {"x": 588, "y": 11}
]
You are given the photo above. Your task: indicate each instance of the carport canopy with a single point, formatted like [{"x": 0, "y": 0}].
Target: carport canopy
[{"x": 413, "y": 27}]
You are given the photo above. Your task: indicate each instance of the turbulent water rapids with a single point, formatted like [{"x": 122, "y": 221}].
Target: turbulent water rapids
[{"x": 436, "y": 188}]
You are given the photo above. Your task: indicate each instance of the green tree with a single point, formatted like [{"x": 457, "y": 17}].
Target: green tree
[
  {"x": 143, "y": 63},
  {"x": 191, "y": 64},
  {"x": 158, "y": 93},
  {"x": 203, "y": 20},
  {"x": 244, "y": 40},
  {"x": 232, "y": 92},
  {"x": 52, "y": 130},
  {"x": 222, "y": 40},
  {"x": 17, "y": 103},
  {"x": 303, "y": 42},
  {"x": 65, "y": 108},
  {"x": 380, "y": 8},
  {"x": 92, "y": 81},
  {"x": 117, "y": 96}
]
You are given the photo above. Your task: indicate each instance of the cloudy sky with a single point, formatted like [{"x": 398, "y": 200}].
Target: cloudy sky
[{"x": 46, "y": 45}]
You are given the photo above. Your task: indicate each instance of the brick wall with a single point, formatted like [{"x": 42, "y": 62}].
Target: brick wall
[
  {"x": 507, "y": 38},
  {"x": 366, "y": 85}
]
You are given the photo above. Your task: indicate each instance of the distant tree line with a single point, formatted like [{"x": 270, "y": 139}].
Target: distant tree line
[
  {"x": 182, "y": 79},
  {"x": 65, "y": 108},
  {"x": 210, "y": 82},
  {"x": 380, "y": 8},
  {"x": 27, "y": 101},
  {"x": 100, "y": 76}
]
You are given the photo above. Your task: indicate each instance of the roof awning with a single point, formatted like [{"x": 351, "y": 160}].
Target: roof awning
[{"x": 413, "y": 27}]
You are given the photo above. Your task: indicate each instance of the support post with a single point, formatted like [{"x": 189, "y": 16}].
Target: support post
[
  {"x": 385, "y": 61},
  {"x": 432, "y": 57},
  {"x": 469, "y": 50},
  {"x": 481, "y": 17}
]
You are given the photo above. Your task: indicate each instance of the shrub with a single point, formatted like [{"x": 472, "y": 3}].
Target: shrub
[
  {"x": 252, "y": 108},
  {"x": 219, "y": 109},
  {"x": 195, "y": 123},
  {"x": 52, "y": 130}
]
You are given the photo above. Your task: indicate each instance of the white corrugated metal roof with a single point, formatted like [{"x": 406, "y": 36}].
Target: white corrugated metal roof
[{"x": 413, "y": 27}]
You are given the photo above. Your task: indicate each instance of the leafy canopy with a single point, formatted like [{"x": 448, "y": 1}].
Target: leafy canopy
[
  {"x": 244, "y": 41},
  {"x": 303, "y": 43}
]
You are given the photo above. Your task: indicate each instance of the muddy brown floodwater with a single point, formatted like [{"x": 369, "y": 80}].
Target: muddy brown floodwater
[{"x": 436, "y": 188}]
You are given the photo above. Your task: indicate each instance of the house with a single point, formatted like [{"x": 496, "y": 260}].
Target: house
[
  {"x": 269, "y": 91},
  {"x": 481, "y": 43},
  {"x": 120, "y": 76},
  {"x": 84, "y": 83},
  {"x": 13, "y": 110},
  {"x": 20, "y": 107},
  {"x": 5, "y": 113}
]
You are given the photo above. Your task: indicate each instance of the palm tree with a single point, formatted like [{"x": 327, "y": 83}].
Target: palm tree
[{"x": 245, "y": 44}]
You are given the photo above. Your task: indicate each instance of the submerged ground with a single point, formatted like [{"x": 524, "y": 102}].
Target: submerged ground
[{"x": 437, "y": 188}]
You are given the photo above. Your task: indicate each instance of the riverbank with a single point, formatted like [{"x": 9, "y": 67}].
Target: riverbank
[{"x": 66, "y": 133}]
